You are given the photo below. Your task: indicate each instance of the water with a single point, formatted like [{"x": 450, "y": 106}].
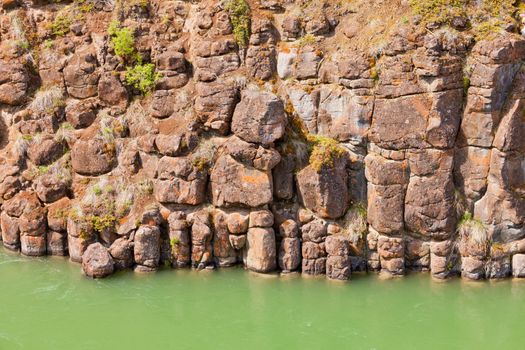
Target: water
[{"x": 46, "y": 303}]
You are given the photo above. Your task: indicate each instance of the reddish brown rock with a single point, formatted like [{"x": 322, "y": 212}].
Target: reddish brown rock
[
  {"x": 259, "y": 118},
  {"x": 121, "y": 250},
  {"x": 179, "y": 181},
  {"x": 147, "y": 248},
  {"x": 325, "y": 192},
  {"x": 97, "y": 262},
  {"x": 14, "y": 83},
  {"x": 93, "y": 157},
  {"x": 81, "y": 73},
  {"x": 260, "y": 250},
  {"x": 233, "y": 183}
]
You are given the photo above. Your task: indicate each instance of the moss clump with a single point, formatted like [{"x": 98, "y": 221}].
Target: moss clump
[
  {"x": 239, "y": 11},
  {"x": 324, "y": 152},
  {"x": 142, "y": 77}
]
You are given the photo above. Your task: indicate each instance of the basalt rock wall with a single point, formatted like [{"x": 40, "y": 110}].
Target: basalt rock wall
[{"x": 321, "y": 137}]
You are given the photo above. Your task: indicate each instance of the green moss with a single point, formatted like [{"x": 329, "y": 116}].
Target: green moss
[
  {"x": 466, "y": 85},
  {"x": 142, "y": 77},
  {"x": 324, "y": 152},
  {"x": 239, "y": 11}
]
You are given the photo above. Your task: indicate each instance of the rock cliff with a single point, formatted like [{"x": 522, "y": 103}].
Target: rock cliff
[{"x": 325, "y": 137}]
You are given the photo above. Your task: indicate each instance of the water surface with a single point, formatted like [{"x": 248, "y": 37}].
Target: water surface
[{"x": 46, "y": 303}]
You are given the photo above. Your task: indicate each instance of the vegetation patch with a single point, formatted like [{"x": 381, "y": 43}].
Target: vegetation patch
[
  {"x": 142, "y": 77},
  {"x": 324, "y": 151},
  {"x": 485, "y": 17},
  {"x": 122, "y": 39},
  {"x": 239, "y": 11},
  {"x": 473, "y": 230}
]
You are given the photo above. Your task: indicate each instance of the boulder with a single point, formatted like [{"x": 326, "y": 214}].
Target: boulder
[
  {"x": 518, "y": 265},
  {"x": 179, "y": 182},
  {"x": 338, "y": 267},
  {"x": 259, "y": 118},
  {"x": 215, "y": 103},
  {"x": 261, "y": 218},
  {"x": 324, "y": 192},
  {"x": 93, "y": 157},
  {"x": 97, "y": 262},
  {"x": 260, "y": 251},
  {"x": 56, "y": 243},
  {"x": 289, "y": 254},
  {"x": 147, "y": 248},
  {"x": 233, "y": 183},
  {"x": 121, "y": 251},
  {"x": 81, "y": 73}
]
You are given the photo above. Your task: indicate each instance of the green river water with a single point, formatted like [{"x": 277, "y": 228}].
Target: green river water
[{"x": 46, "y": 303}]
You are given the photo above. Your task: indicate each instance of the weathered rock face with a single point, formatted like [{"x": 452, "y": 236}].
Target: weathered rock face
[
  {"x": 312, "y": 144},
  {"x": 260, "y": 255},
  {"x": 178, "y": 181},
  {"x": 234, "y": 183},
  {"x": 147, "y": 248}
]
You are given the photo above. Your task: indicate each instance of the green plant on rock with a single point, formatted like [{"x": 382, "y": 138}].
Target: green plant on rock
[
  {"x": 472, "y": 229},
  {"x": 123, "y": 40},
  {"x": 101, "y": 223},
  {"x": 174, "y": 242},
  {"x": 239, "y": 11},
  {"x": 306, "y": 40},
  {"x": 439, "y": 11},
  {"x": 61, "y": 24},
  {"x": 324, "y": 151},
  {"x": 142, "y": 77}
]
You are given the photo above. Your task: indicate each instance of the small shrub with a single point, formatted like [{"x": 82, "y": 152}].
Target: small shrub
[
  {"x": 306, "y": 40},
  {"x": 142, "y": 77},
  {"x": 239, "y": 11},
  {"x": 61, "y": 24},
  {"x": 123, "y": 40}
]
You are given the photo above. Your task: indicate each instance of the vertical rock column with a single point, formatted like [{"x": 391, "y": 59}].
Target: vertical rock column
[
  {"x": 260, "y": 252},
  {"x": 57, "y": 223},
  {"x": 387, "y": 182},
  {"x": 290, "y": 247},
  {"x": 313, "y": 248},
  {"x": 201, "y": 236},
  {"x": 338, "y": 264},
  {"x": 180, "y": 241},
  {"x": 147, "y": 248},
  {"x": 489, "y": 166}
]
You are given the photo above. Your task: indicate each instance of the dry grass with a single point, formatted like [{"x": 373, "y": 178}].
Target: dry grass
[
  {"x": 472, "y": 230},
  {"x": 48, "y": 100}
]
